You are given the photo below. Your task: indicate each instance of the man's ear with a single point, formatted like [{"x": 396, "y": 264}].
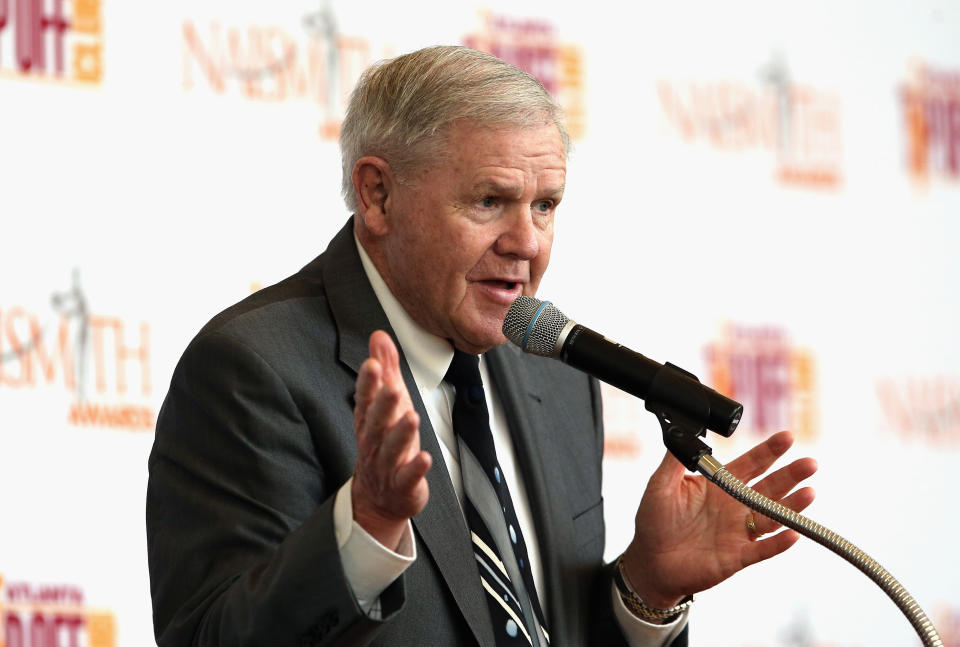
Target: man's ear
[{"x": 373, "y": 183}]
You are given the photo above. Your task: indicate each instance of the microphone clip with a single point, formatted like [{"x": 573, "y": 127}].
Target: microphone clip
[
  {"x": 679, "y": 402},
  {"x": 682, "y": 438}
]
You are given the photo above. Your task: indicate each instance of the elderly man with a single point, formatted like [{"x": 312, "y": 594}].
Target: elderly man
[{"x": 334, "y": 466}]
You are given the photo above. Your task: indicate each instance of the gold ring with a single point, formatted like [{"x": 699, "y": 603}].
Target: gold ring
[{"x": 752, "y": 525}]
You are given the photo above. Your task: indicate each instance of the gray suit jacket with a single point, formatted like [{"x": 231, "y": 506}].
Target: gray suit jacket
[{"x": 256, "y": 436}]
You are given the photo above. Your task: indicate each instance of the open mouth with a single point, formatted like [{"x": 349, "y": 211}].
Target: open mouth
[
  {"x": 501, "y": 291},
  {"x": 504, "y": 285}
]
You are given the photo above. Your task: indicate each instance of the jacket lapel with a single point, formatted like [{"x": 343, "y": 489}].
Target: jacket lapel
[{"x": 440, "y": 525}]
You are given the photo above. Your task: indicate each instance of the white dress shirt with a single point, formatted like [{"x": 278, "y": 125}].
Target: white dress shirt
[{"x": 371, "y": 567}]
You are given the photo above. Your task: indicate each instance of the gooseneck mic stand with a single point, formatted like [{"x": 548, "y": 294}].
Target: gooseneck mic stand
[
  {"x": 681, "y": 435},
  {"x": 686, "y": 409}
]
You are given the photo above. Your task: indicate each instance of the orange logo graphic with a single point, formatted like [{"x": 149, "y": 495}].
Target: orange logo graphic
[
  {"x": 59, "y": 40},
  {"x": 56, "y": 349},
  {"x": 922, "y": 408},
  {"x": 931, "y": 119},
  {"x": 272, "y": 64},
  {"x": 532, "y": 45},
  {"x": 775, "y": 381},
  {"x": 51, "y": 616},
  {"x": 799, "y": 124}
]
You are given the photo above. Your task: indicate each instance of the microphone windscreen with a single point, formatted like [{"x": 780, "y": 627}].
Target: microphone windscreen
[{"x": 534, "y": 326}]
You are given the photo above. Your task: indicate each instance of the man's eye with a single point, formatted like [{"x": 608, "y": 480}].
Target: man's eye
[
  {"x": 545, "y": 205},
  {"x": 488, "y": 202}
]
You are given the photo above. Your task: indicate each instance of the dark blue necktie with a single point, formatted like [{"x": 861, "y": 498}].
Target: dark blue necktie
[{"x": 498, "y": 544}]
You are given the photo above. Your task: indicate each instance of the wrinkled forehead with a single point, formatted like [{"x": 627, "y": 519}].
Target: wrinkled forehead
[
  {"x": 451, "y": 136},
  {"x": 504, "y": 159},
  {"x": 468, "y": 139}
]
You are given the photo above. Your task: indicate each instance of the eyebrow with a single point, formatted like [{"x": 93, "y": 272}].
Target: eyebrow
[{"x": 492, "y": 186}]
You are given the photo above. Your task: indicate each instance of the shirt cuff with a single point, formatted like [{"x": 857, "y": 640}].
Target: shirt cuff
[
  {"x": 370, "y": 566},
  {"x": 639, "y": 632}
]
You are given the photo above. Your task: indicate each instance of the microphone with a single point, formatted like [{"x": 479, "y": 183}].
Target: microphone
[{"x": 538, "y": 327}]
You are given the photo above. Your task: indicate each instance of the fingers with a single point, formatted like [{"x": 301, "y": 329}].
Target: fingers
[
  {"x": 385, "y": 352},
  {"x": 766, "y": 548},
  {"x": 411, "y": 474},
  {"x": 389, "y": 483},
  {"x": 779, "y": 483},
  {"x": 797, "y": 501},
  {"x": 384, "y": 412},
  {"x": 381, "y": 396},
  {"x": 400, "y": 442},
  {"x": 369, "y": 380},
  {"x": 385, "y": 453},
  {"x": 383, "y": 409},
  {"x": 400, "y": 462},
  {"x": 759, "y": 459}
]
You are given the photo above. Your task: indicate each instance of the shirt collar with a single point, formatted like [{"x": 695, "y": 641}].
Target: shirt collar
[{"x": 429, "y": 356}]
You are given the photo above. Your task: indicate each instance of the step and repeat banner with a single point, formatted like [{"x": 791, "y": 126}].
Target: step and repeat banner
[{"x": 766, "y": 194}]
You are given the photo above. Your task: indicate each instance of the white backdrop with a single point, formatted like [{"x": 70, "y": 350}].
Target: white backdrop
[{"x": 766, "y": 194}]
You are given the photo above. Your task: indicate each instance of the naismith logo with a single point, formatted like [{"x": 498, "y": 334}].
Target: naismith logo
[
  {"x": 309, "y": 63},
  {"x": 51, "y": 616},
  {"x": 922, "y": 408},
  {"x": 53, "y": 39},
  {"x": 103, "y": 362},
  {"x": 774, "y": 380},
  {"x": 799, "y": 124}
]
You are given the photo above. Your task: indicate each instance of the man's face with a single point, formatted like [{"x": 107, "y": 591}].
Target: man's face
[{"x": 470, "y": 234}]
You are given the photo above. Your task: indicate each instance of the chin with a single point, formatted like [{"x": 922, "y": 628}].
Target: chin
[{"x": 480, "y": 341}]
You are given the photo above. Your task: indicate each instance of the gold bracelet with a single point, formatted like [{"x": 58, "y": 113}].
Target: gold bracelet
[{"x": 638, "y": 607}]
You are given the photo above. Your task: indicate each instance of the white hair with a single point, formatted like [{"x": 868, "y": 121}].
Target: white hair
[{"x": 401, "y": 108}]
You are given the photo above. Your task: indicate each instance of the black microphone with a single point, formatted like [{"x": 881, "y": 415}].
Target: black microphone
[{"x": 538, "y": 327}]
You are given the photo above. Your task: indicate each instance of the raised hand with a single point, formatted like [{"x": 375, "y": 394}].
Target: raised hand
[
  {"x": 690, "y": 535},
  {"x": 389, "y": 478}
]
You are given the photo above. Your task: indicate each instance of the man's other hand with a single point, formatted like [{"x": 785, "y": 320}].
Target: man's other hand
[
  {"x": 691, "y": 535},
  {"x": 389, "y": 478}
]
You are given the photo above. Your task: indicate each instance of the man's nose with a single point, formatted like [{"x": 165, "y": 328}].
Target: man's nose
[{"x": 520, "y": 235}]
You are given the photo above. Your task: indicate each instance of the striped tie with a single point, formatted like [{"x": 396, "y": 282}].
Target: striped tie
[{"x": 498, "y": 545}]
